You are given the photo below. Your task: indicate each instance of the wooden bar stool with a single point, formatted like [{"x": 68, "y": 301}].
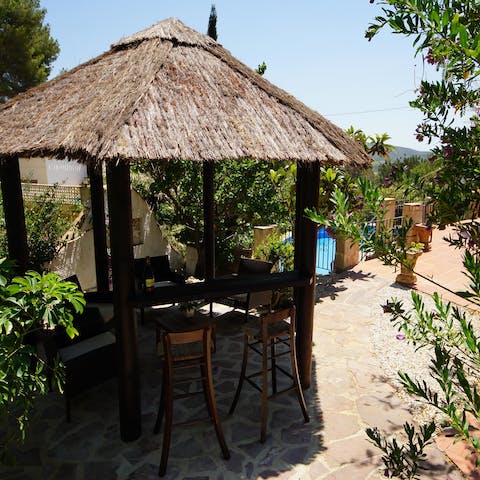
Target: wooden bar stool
[
  {"x": 184, "y": 351},
  {"x": 275, "y": 328}
]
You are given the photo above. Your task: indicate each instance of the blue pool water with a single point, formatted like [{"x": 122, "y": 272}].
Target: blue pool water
[
  {"x": 325, "y": 252},
  {"x": 326, "y": 247}
]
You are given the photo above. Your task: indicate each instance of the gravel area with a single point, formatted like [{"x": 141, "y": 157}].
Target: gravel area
[{"x": 395, "y": 353}]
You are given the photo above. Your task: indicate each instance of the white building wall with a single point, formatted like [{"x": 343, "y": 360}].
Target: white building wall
[
  {"x": 50, "y": 171},
  {"x": 65, "y": 172}
]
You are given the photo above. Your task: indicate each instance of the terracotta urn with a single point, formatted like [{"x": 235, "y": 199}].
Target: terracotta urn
[
  {"x": 406, "y": 275},
  {"x": 424, "y": 235}
]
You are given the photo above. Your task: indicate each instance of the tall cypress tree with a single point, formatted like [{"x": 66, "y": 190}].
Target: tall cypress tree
[{"x": 212, "y": 23}]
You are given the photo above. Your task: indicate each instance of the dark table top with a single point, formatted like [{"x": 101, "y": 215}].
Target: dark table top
[{"x": 173, "y": 320}]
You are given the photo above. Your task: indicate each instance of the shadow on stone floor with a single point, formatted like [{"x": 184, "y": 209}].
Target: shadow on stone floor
[
  {"x": 90, "y": 446},
  {"x": 330, "y": 286}
]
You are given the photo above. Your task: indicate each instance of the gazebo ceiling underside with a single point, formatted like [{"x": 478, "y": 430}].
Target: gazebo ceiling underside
[{"x": 168, "y": 93}]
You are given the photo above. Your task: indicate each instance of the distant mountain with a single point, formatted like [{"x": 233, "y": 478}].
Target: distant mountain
[
  {"x": 401, "y": 152},
  {"x": 398, "y": 153}
]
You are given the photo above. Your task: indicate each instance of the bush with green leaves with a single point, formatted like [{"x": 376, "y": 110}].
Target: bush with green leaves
[
  {"x": 455, "y": 364},
  {"x": 446, "y": 34},
  {"x": 446, "y": 330},
  {"x": 277, "y": 250},
  {"x": 46, "y": 221},
  {"x": 246, "y": 194},
  {"x": 30, "y": 304}
]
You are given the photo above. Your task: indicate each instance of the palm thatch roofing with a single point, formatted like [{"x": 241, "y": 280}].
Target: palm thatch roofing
[{"x": 168, "y": 92}]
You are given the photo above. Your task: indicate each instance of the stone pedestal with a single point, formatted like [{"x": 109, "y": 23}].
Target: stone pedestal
[
  {"x": 262, "y": 233},
  {"x": 389, "y": 218},
  {"x": 414, "y": 211}
]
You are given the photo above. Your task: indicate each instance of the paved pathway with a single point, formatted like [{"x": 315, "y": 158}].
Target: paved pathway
[
  {"x": 349, "y": 392},
  {"x": 352, "y": 389}
]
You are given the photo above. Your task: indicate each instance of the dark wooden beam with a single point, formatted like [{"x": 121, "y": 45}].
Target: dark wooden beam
[
  {"x": 220, "y": 287},
  {"x": 14, "y": 212},
  {"x": 121, "y": 245},
  {"x": 97, "y": 199},
  {"x": 209, "y": 219},
  {"x": 307, "y": 191}
]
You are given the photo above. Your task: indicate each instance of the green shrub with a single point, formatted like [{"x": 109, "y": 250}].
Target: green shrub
[
  {"x": 28, "y": 304},
  {"x": 278, "y": 251}
]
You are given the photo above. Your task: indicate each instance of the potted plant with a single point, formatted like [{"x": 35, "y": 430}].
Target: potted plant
[
  {"x": 31, "y": 304},
  {"x": 188, "y": 308},
  {"x": 406, "y": 275}
]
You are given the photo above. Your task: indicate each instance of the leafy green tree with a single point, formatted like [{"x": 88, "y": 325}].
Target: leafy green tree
[
  {"x": 404, "y": 175},
  {"x": 446, "y": 33},
  {"x": 373, "y": 145},
  {"x": 245, "y": 195},
  {"x": 212, "y": 23},
  {"x": 26, "y": 47}
]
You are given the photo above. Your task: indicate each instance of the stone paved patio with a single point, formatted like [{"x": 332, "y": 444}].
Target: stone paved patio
[{"x": 349, "y": 392}]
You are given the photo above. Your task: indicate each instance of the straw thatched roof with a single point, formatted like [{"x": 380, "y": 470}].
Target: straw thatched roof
[{"x": 165, "y": 93}]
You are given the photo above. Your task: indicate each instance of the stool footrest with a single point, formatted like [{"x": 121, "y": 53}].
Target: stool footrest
[
  {"x": 275, "y": 329},
  {"x": 189, "y": 423},
  {"x": 253, "y": 384},
  {"x": 189, "y": 380},
  {"x": 281, "y": 392},
  {"x": 186, "y": 395}
]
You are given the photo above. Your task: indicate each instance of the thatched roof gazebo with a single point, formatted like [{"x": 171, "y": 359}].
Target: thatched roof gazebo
[{"x": 168, "y": 93}]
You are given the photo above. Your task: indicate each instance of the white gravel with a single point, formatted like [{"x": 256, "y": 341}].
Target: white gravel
[{"x": 396, "y": 354}]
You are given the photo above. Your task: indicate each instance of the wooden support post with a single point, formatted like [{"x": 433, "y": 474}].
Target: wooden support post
[
  {"x": 121, "y": 245},
  {"x": 209, "y": 219},
  {"x": 307, "y": 191},
  {"x": 14, "y": 212},
  {"x": 97, "y": 200}
]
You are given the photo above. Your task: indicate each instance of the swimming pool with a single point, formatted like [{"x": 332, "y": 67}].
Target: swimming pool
[{"x": 326, "y": 248}]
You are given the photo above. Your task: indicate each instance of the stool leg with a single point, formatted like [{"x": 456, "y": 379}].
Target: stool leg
[
  {"x": 242, "y": 374},
  {"x": 214, "y": 338},
  {"x": 204, "y": 374},
  {"x": 296, "y": 378},
  {"x": 212, "y": 406},
  {"x": 274, "y": 365},
  {"x": 263, "y": 432},
  {"x": 167, "y": 432},
  {"x": 214, "y": 330},
  {"x": 161, "y": 405}
]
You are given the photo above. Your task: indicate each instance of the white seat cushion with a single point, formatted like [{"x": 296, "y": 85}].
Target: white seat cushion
[{"x": 85, "y": 346}]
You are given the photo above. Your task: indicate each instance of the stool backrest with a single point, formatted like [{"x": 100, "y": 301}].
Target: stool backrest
[
  {"x": 252, "y": 266},
  {"x": 249, "y": 266},
  {"x": 279, "y": 316},
  {"x": 192, "y": 345}
]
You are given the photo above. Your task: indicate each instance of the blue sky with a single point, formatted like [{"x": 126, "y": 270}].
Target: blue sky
[{"x": 314, "y": 49}]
